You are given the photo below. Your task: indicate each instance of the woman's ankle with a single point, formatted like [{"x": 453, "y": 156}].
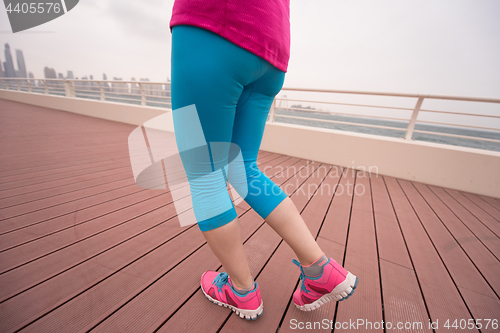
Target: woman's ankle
[
  {"x": 242, "y": 286},
  {"x": 316, "y": 268}
]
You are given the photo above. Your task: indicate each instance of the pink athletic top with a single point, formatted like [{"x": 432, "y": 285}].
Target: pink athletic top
[{"x": 259, "y": 26}]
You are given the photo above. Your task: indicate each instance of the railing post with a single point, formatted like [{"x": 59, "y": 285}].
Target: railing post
[
  {"x": 272, "y": 111},
  {"x": 143, "y": 95},
  {"x": 6, "y": 84},
  {"x": 18, "y": 85},
  {"x": 70, "y": 89},
  {"x": 411, "y": 124},
  {"x": 67, "y": 88},
  {"x": 103, "y": 97},
  {"x": 46, "y": 92},
  {"x": 29, "y": 86}
]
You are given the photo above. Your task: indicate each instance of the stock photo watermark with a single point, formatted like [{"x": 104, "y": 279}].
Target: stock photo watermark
[
  {"x": 161, "y": 159},
  {"x": 323, "y": 187},
  {"x": 364, "y": 324},
  {"x": 209, "y": 179},
  {"x": 26, "y": 14}
]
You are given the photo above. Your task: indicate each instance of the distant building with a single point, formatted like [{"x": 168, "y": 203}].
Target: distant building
[
  {"x": 146, "y": 87},
  {"x": 93, "y": 85},
  {"x": 49, "y": 73},
  {"x": 167, "y": 88},
  {"x": 32, "y": 78},
  {"x": 1, "y": 69},
  {"x": 134, "y": 88},
  {"x": 156, "y": 90},
  {"x": 105, "y": 85},
  {"x": 152, "y": 89},
  {"x": 8, "y": 64},
  {"x": 84, "y": 86},
  {"x": 69, "y": 76},
  {"x": 119, "y": 87},
  {"x": 21, "y": 64}
]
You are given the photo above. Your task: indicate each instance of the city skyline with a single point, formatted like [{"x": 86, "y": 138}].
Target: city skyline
[
  {"x": 8, "y": 69},
  {"x": 50, "y": 73}
]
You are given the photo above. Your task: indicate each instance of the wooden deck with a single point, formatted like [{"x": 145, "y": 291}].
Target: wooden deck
[{"x": 82, "y": 248}]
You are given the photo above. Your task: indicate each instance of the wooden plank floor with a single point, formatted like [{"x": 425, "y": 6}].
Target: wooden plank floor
[{"x": 82, "y": 248}]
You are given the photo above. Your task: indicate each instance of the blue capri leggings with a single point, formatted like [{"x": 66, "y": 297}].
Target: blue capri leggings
[{"x": 232, "y": 90}]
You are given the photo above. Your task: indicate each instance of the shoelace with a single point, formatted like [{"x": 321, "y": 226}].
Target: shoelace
[
  {"x": 220, "y": 280},
  {"x": 302, "y": 276}
]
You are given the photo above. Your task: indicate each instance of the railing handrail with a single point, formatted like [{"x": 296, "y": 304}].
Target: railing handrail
[
  {"x": 337, "y": 91},
  {"x": 71, "y": 88},
  {"x": 395, "y": 94},
  {"x": 84, "y": 80}
]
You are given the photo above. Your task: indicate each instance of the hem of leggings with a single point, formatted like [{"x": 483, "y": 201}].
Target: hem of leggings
[
  {"x": 275, "y": 205},
  {"x": 217, "y": 221}
]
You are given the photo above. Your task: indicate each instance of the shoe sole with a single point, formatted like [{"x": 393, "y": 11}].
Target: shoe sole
[
  {"x": 242, "y": 313},
  {"x": 341, "y": 292}
]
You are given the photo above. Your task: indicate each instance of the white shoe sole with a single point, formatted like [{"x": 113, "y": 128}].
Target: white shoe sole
[
  {"x": 341, "y": 292},
  {"x": 243, "y": 313}
]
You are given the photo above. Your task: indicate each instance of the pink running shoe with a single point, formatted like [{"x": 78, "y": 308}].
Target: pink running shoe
[
  {"x": 218, "y": 288},
  {"x": 334, "y": 284}
]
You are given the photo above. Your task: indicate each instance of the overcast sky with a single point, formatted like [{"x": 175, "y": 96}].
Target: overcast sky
[{"x": 415, "y": 46}]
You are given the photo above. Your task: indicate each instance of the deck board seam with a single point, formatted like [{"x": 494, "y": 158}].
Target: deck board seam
[
  {"x": 84, "y": 221},
  {"x": 473, "y": 203},
  {"x": 65, "y": 193},
  {"x": 329, "y": 240},
  {"x": 72, "y": 212},
  {"x": 479, "y": 293},
  {"x": 89, "y": 236},
  {"x": 488, "y": 203},
  {"x": 436, "y": 250},
  {"x": 69, "y": 299},
  {"x": 95, "y": 255},
  {"x": 408, "y": 251},
  {"x": 76, "y": 164},
  {"x": 465, "y": 224},
  {"x": 344, "y": 171},
  {"x": 453, "y": 236},
  {"x": 378, "y": 252},
  {"x": 397, "y": 264},
  {"x": 62, "y": 178},
  {"x": 61, "y": 165},
  {"x": 149, "y": 284}
]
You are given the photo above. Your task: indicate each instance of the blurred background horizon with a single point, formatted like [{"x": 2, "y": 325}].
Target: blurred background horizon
[{"x": 449, "y": 47}]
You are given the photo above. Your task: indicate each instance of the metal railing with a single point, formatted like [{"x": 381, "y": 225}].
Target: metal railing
[
  {"x": 486, "y": 135},
  {"x": 408, "y": 121},
  {"x": 134, "y": 92}
]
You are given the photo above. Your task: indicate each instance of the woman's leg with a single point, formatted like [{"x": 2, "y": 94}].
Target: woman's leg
[
  {"x": 265, "y": 197},
  {"x": 287, "y": 222},
  {"x": 227, "y": 244},
  {"x": 211, "y": 73}
]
